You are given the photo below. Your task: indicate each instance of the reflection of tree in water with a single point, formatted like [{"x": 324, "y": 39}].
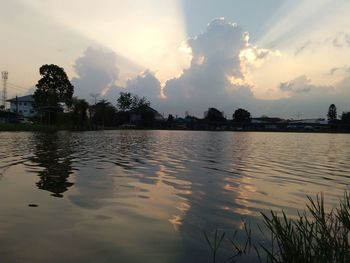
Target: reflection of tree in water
[{"x": 53, "y": 153}]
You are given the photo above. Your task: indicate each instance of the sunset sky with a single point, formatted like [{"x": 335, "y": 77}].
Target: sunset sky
[{"x": 278, "y": 58}]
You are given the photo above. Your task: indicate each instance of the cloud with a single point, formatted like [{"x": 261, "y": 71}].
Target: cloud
[
  {"x": 145, "y": 84},
  {"x": 341, "y": 40},
  {"x": 217, "y": 73},
  {"x": 338, "y": 40},
  {"x": 308, "y": 100},
  {"x": 301, "y": 48},
  {"x": 96, "y": 71},
  {"x": 103, "y": 72},
  {"x": 343, "y": 69},
  {"x": 300, "y": 84}
]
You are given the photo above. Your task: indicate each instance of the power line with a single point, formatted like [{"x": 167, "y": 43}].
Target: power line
[{"x": 17, "y": 86}]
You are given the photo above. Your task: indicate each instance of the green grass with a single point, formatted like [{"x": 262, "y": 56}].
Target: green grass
[{"x": 316, "y": 236}]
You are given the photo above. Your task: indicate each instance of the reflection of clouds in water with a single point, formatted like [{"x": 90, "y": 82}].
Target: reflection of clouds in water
[
  {"x": 158, "y": 190},
  {"x": 93, "y": 188}
]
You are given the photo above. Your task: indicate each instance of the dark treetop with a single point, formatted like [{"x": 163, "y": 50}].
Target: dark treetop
[{"x": 54, "y": 87}]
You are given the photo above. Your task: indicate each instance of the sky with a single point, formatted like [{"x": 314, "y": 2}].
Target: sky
[{"x": 283, "y": 58}]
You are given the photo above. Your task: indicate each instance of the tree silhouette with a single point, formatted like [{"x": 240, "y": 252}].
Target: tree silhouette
[
  {"x": 170, "y": 118},
  {"x": 53, "y": 88},
  {"x": 103, "y": 113},
  {"x": 214, "y": 115},
  {"x": 345, "y": 117},
  {"x": 241, "y": 115},
  {"x": 79, "y": 112},
  {"x": 129, "y": 101},
  {"x": 332, "y": 113},
  {"x": 124, "y": 101}
]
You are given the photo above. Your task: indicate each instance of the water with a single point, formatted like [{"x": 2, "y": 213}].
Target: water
[{"x": 136, "y": 196}]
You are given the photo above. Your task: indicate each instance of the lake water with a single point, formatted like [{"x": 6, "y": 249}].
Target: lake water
[{"x": 147, "y": 196}]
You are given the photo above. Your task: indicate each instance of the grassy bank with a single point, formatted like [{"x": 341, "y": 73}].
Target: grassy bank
[{"x": 316, "y": 236}]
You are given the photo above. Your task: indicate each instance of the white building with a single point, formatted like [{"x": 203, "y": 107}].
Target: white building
[{"x": 23, "y": 105}]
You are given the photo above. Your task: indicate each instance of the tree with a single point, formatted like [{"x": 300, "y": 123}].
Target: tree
[
  {"x": 128, "y": 101},
  {"x": 53, "y": 88},
  {"x": 241, "y": 115},
  {"x": 79, "y": 112},
  {"x": 345, "y": 117},
  {"x": 124, "y": 101},
  {"x": 140, "y": 103},
  {"x": 170, "y": 118},
  {"x": 103, "y": 113},
  {"x": 214, "y": 115},
  {"x": 332, "y": 113}
]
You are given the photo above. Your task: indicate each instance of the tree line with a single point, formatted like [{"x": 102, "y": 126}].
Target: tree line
[{"x": 54, "y": 90}]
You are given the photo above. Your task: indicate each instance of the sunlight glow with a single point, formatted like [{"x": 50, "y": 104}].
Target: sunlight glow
[
  {"x": 148, "y": 32},
  {"x": 292, "y": 17}
]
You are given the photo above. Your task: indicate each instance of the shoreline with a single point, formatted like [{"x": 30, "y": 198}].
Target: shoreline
[{"x": 53, "y": 128}]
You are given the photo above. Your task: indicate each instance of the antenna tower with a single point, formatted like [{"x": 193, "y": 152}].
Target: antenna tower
[{"x": 5, "y": 76}]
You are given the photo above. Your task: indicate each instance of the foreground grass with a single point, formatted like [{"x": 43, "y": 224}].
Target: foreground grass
[{"x": 316, "y": 236}]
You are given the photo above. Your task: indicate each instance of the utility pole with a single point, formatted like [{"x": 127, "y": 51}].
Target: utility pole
[
  {"x": 4, "y": 75},
  {"x": 16, "y": 104}
]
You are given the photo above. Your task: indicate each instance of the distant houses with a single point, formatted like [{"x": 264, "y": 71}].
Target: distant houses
[
  {"x": 145, "y": 114},
  {"x": 24, "y": 106},
  {"x": 104, "y": 114}
]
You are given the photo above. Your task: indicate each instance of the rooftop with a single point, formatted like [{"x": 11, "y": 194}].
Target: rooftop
[{"x": 27, "y": 98}]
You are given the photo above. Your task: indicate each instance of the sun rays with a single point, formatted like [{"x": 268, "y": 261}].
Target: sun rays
[{"x": 148, "y": 32}]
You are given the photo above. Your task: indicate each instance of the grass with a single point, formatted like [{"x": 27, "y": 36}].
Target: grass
[
  {"x": 316, "y": 236},
  {"x": 215, "y": 243}
]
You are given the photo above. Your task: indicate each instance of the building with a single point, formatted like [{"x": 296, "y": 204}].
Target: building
[
  {"x": 145, "y": 114},
  {"x": 24, "y": 106}
]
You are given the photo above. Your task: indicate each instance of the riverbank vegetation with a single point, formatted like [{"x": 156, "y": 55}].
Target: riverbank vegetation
[
  {"x": 55, "y": 106},
  {"x": 317, "y": 235}
]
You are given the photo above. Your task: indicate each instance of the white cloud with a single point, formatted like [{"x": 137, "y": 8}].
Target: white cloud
[
  {"x": 96, "y": 71},
  {"x": 215, "y": 62},
  {"x": 219, "y": 75}
]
